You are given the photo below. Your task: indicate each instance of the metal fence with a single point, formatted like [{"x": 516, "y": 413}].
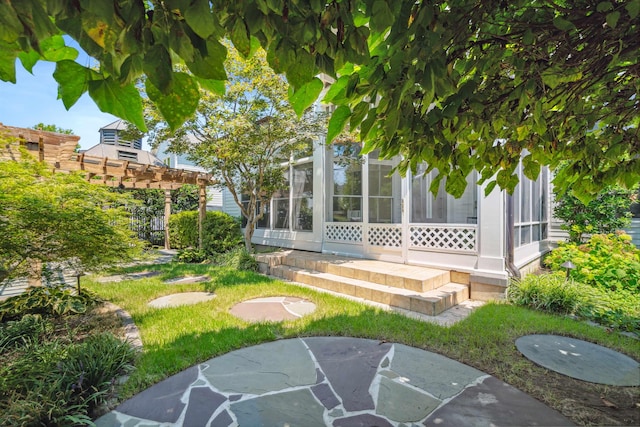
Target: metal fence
[{"x": 148, "y": 226}]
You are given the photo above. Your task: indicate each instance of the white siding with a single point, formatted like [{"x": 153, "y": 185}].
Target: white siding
[
  {"x": 634, "y": 231},
  {"x": 229, "y": 204}
]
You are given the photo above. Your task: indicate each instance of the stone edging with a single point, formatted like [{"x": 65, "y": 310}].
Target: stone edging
[{"x": 131, "y": 331}]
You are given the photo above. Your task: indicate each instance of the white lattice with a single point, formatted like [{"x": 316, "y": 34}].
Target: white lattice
[
  {"x": 456, "y": 238},
  {"x": 385, "y": 235},
  {"x": 343, "y": 232}
]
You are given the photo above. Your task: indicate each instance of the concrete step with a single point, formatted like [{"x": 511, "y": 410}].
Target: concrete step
[
  {"x": 432, "y": 302},
  {"x": 413, "y": 278}
]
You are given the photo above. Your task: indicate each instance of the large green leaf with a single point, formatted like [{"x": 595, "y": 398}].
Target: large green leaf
[
  {"x": 7, "y": 63},
  {"x": 73, "y": 81},
  {"x": 381, "y": 16},
  {"x": 29, "y": 59},
  {"x": 157, "y": 67},
  {"x": 200, "y": 18},
  {"x": 54, "y": 49},
  {"x": 10, "y": 26},
  {"x": 180, "y": 104},
  {"x": 213, "y": 86},
  {"x": 306, "y": 95},
  {"x": 121, "y": 101},
  {"x": 302, "y": 70},
  {"x": 240, "y": 37},
  {"x": 336, "y": 123},
  {"x": 212, "y": 65}
]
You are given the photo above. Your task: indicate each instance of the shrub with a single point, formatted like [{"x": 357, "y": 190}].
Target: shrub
[
  {"x": 220, "y": 231},
  {"x": 191, "y": 255},
  {"x": 21, "y": 332},
  {"x": 238, "y": 259},
  {"x": 46, "y": 301},
  {"x": 607, "y": 261},
  {"x": 554, "y": 294},
  {"x": 50, "y": 383},
  {"x": 548, "y": 292},
  {"x": 607, "y": 212}
]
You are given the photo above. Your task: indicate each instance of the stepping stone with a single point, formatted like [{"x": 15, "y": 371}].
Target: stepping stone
[
  {"x": 272, "y": 309},
  {"x": 184, "y": 298},
  {"x": 187, "y": 280},
  {"x": 142, "y": 275},
  {"x": 580, "y": 359},
  {"x": 111, "y": 279}
]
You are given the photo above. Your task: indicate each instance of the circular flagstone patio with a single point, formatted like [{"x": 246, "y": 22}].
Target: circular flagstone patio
[
  {"x": 183, "y": 298},
  {"x": 273, "y": 309},
  {"x": 580, "y": 359},
  {"x": 331, "y": 381}
]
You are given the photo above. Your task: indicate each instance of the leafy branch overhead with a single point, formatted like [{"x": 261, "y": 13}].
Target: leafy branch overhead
[{"x": 462, "y": 85}]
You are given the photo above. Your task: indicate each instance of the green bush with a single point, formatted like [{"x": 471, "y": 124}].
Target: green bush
[
  {"x": 238, "y": 259},
  {"x": 52, "y": 383},
  {"x": 46, "y": 301},
  {"x": 555, "y": 294},
  {"x": 191, "y": 255},
  {"x": 608, "y": 261},
  {"x": 548, "y": 292},
  {"x": 18, "y": 333},
  {"x": 220, "y": 232}
]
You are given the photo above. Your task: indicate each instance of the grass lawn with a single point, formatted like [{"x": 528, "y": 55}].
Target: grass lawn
[{"x": 176, "y": 338}]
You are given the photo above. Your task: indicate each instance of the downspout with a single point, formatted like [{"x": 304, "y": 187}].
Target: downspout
[{"x": 510, "y": 229}]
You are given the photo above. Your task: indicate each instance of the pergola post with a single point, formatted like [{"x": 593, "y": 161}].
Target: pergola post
[
  {"x": 202, "y": 211},
  {"x": 167, "y": 214}
]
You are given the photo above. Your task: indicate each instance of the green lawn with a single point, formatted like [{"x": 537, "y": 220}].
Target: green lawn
[{"x": 176, "y": 338}]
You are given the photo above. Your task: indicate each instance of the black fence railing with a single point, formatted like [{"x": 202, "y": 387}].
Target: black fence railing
[{"x": 148, "y": 226}]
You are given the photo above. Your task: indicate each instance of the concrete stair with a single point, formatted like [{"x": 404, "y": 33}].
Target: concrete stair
[{"x": 423, "y": 290}]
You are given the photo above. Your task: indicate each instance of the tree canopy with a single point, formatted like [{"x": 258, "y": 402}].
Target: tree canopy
[
  {"x": 244, "y": 134},
  {"x": 458, "y": 84},
  {"x": 58, "y": 218}
]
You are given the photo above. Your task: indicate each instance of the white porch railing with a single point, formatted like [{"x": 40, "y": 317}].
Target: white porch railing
[
  {"x": 447, "y": 237},
  {"x": 440, "y": 237},
  {"x": 387, "y": 235},
  {"x": 343, "y": 232}
]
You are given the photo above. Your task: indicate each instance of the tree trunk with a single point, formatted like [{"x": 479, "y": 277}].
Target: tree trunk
[{"x": 248, "y": 233}]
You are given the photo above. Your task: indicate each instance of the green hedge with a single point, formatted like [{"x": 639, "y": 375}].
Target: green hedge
[
  {"x": 619, "y": 309},
  {"x": 608, "y": 261},
  {"x": 220, "y": 232}
]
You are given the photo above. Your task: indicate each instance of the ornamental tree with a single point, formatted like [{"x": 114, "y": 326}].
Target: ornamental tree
[
  {"x": 461, "y": 85},
  {"x": 58, "y": 218},
  {"x": 244, "y": 135},
  {"x": 607, "y": 213}
]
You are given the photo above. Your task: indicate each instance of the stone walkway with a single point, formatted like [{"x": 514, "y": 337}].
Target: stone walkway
[{"x": 331, "y": 381}]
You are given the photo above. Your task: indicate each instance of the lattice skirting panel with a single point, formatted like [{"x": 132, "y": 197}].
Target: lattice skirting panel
[
  {"x": 343, "y": 232},
  {"x": 452, "y": 238},
  {"x": 384, "y": 235}
]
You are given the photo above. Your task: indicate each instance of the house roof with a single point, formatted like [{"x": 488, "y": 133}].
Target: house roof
[
  {"x": 111, "y": 152},
  {"x": 117, "y": 125}
]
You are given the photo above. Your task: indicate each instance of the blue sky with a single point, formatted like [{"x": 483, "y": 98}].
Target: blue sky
[{"x": 34, "y": 99}]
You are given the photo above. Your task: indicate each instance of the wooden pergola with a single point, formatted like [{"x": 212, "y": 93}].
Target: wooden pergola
[{"x": 59, "y": 151}]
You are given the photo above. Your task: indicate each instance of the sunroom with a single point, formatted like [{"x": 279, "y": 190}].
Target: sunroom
[{"x": 339, "y": 202}]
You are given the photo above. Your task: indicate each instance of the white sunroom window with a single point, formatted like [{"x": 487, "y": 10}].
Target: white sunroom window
[
  {"x": 443, "y": 207},
  {"x": 346, "y": 197},
  {"x": 530, "y": 203}
]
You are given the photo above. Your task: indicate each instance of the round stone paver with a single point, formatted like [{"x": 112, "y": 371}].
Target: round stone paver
[
  {"x": 272, "y": 309},
  {"x": 331, "y": 381},
  {"x": 580, "y": 359},
  {"x": 184, "y": 298}
]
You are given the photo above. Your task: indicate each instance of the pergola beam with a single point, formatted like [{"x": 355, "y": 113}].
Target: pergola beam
[{"x": 58, "y": 150}]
